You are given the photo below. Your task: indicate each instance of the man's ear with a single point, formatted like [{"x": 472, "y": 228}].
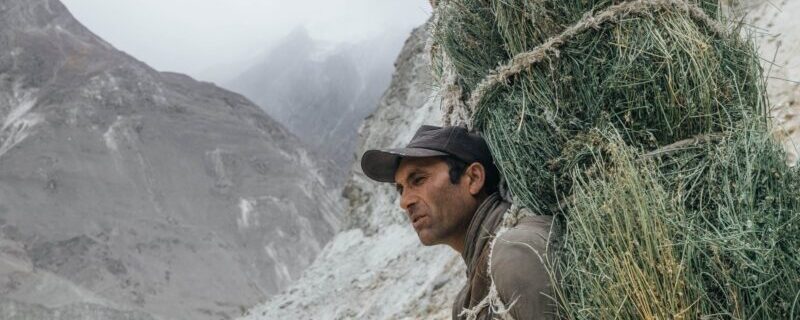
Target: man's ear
[{"x": 476, "y": 177}]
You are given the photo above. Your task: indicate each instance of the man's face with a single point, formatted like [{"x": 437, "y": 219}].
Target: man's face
[{"x": 439, "y": 210}]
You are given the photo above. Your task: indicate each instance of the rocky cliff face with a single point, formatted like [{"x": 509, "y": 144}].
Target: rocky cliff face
[
  {"x": 779, "y": 46},
  {"x": 321, "y": 92},
  {"x": 127, "y": 193},
  {"x": 376, "y": 268}
]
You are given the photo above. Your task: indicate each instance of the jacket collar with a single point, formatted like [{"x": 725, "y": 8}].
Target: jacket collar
[{"x": 484, "y": 222}]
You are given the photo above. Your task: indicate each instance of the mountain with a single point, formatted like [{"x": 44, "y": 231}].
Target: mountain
[
  {"x": 128, "y": 193},
  {"x": 320, "y": 91},
  {"x": 375, "y": 268}
]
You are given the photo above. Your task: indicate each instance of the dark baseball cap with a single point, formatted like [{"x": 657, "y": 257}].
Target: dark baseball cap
[{"x": 428, "y": 141}]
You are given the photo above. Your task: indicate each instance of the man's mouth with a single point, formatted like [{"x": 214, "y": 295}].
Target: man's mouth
[{"x": 417, "y": 220}]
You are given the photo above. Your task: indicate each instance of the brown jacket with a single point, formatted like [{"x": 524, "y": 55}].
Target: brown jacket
[{"x": 517, "y": 264}]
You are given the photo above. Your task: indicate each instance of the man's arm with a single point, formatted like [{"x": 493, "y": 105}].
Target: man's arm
[{"x": 519, "y": 273}]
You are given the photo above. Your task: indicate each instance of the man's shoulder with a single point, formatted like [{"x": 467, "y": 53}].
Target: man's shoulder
[
  {"x": 529, "y": 229},
  {"x": 525, "y": 243},
  {"x": 519, "y": 267}
]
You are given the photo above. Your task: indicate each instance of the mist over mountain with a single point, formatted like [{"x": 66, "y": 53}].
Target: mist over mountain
[
  {"x": 320, "y": 91},
  {"x": 128, "y": 193}
]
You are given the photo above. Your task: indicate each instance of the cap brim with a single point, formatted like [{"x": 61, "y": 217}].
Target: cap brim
[{"x": 381, "y": 165}]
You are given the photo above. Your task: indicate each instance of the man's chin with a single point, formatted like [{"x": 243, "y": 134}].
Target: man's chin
[{"x": 426, "y": 239}]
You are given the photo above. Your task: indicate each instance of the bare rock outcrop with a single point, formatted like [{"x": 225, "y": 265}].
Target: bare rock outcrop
[{"x": 140, "y": 191}]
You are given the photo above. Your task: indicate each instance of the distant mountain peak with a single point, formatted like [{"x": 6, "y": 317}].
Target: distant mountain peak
[{"x": 321, "y": 91}]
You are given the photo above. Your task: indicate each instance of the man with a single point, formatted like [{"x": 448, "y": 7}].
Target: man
[{"x": 448, "y": 187}]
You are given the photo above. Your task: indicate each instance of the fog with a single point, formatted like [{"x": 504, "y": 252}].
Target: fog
[{"x": 213, "y": 40}]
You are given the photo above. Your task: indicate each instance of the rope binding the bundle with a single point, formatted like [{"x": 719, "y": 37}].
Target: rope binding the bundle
[{"x": 612, "y": 14}]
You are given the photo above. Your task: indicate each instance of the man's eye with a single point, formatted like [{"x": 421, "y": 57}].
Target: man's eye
[{"x": 418, "y": 181}]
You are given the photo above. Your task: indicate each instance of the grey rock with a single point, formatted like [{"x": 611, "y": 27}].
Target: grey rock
[
  {"x": 13, "y": 310},
  {"x": 162, "y": 194}
]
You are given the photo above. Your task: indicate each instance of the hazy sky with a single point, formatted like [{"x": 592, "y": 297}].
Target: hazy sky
[{"x": 200, "y": 36}]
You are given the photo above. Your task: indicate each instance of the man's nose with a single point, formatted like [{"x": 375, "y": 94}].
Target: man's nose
[{"x": 407, "y": 201}]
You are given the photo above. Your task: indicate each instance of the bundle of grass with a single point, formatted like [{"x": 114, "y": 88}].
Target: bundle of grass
[
  {"x": 658, "y": 70},
  {"x": 741, "y": 237},
  {"x": 623, "y": 255},
  {"x": 642, "y": 124},
  {"x": 709, "y": 231}
]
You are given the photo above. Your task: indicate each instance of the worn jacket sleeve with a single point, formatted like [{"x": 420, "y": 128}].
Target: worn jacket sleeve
[{"x": 519, "y": 273}]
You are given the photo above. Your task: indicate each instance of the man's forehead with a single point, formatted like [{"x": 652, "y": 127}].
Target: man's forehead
[{"x": 409, "y": 166}]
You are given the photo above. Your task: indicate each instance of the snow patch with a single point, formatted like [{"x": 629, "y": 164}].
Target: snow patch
[
  {"x": 283, "y": 272},
  {"x": 109, "y": 136},
  {"x": 116, "y": 137},
  {"x": 280, "y": 260},
  {"x": 19, "y": 111},
  {"x": 103, "y": 87},
  {"x": 18, "y": 130},
  {"x": 245, "y": 212},
  {"x": 270, "y": 251}
]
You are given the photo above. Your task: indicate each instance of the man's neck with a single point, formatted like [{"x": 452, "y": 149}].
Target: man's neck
[
  {"x": 458, "y": 241},
  {"x": 487, "y": 217}
]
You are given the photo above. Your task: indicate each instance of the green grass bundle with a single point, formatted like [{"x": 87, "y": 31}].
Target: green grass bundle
[
  {"x": 623, "y": 254},
  {"x": 711, "y": 231},
  {"x": 658, "y": 71},
  {"x": 742, "y": 229},
  {"x": 642, "y": 124}
]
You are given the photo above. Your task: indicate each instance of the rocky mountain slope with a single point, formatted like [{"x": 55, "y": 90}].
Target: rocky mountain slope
[
  {"x": 779, "y": 46},
  {"x": 376, "y": 269},
  {"x": 127, "y": 193},
  {"x": 321, "y": 92}
]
